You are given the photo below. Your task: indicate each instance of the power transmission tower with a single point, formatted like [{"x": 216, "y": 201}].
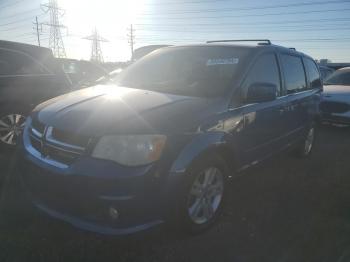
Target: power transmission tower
[
  {"x": 96, "y": 51},
  {"x": 37, "y": 29},
  {"x": 55, "y": 41},
  {"x": 131, "y": 39}
]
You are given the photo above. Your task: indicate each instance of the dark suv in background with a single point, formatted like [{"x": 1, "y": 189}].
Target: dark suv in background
[
  {"x": 29, "y": 75},
  {"x": 160, "y": 141}
]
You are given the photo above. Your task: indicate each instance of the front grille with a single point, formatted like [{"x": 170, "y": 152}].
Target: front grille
[
  {"x": 70, "y": 138},
  {"x": 334, "y": 107},
  {"x": 38, "y": 126},
  {"x": 55, "y": 145},
  {"x": 36, "y": 143}
]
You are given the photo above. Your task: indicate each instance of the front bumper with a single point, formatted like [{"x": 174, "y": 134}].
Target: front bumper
[
  {"x": 84, "y": 194},
  {"x": 93, "y": 227}
]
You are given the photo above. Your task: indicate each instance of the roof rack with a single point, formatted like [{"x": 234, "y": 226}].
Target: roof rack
[
  {"x": 292, "y": 48},
  {"x": 260, "y": 41}
]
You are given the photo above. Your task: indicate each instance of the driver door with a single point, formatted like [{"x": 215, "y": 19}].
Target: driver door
[{"x": 264, "y": 127}]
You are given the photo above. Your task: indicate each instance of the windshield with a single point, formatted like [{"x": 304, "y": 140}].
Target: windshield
[
  {"x": 191, "y": 71},
  {"x": 338, "y": 78}
]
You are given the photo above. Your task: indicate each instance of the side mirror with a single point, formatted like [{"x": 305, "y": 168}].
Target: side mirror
[{"x": 261, "y": 92}]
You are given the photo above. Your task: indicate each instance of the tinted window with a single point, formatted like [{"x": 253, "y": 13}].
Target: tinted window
[
  {"x": 265, "y": 70},
  {"x": 313, "y": 74},
  {"x": 193, "y": 71},
  {"x": 338, "y": 78},
  {"x": 14, "y": 63},
  {"x": 294, "y": 73}
]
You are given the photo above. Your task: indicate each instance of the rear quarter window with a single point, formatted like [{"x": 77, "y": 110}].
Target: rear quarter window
[
  {"x": 313, "y": 75},
  {"x": 294, "y": 73}
]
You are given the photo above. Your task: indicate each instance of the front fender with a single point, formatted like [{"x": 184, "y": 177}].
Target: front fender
[{"x": 199, "y": 144}]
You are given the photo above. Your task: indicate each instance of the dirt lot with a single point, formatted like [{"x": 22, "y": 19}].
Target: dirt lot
[{"x": 284, "y": 210}]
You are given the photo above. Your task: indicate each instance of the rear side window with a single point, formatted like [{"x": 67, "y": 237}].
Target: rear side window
[
  {"x": 265, "y": 70},
  {"x": 312, "y": 74},
  {"x": 294, "y": 73},
  {"x": 14, "y": 63}
]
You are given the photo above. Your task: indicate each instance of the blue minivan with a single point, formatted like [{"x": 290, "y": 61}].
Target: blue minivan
[{"x": 160, "y": 141}]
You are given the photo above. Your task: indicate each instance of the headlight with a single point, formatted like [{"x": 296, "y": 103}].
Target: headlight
[{"x": 130, "y": 150}]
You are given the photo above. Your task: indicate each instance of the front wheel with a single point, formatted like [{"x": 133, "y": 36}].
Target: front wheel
[
  {"x": 204, "y": 193},
  {"x": 11, "y": 127}
]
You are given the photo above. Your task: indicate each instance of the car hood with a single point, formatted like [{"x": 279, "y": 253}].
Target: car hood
[
  {"x": 336, "y": 90},
  {"x": 110, "y": 109},
  {"x": 339, "y": 93}
]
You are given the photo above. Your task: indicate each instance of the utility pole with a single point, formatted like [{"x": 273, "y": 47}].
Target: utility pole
[
  {"x": 131, "y": 40},
  {"x": 37, "y": 29},
  {"x": 96, "y": 51},
  {"x": 55, "y": 41}
]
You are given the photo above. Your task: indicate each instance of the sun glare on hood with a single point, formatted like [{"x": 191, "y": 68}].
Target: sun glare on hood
[{"x": 110, "y": 92}]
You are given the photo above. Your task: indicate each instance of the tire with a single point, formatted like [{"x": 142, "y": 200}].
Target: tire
[
  {"x": 305, "y": 147},
  {"x": 11, "y": 126},
  {"x": 203, "y": 194}
]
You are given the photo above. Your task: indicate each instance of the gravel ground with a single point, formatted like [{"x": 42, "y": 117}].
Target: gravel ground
[{"x": 284, "y": 210}]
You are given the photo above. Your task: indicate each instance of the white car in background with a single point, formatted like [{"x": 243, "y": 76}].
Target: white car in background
[{"x": 335, "y": 105}]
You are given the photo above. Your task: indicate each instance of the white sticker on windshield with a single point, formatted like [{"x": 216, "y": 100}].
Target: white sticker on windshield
[{"x": 222, "y": 61}]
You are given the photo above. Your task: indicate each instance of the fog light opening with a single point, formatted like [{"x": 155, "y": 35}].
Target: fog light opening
[{"x": 114, "y": 213}]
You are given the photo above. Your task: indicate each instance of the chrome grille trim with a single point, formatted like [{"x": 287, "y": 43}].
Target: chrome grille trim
[
  {"x": 48, "y": 142},
  {"x": 36, "y": 132},
  {"x": 52, "y": 140},
  {"x": 35, "y": 153}
]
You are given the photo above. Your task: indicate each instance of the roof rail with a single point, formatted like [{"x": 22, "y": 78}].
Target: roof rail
[{"x": 260, "y": 41}]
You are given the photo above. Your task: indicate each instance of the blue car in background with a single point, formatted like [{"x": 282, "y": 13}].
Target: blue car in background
[{"x": 159, "y": 141}]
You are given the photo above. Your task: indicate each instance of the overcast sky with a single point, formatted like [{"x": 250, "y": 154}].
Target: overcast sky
[{"x": 319, "y": 28}]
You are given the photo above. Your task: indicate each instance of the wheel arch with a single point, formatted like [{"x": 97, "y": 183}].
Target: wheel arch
[{"x": 204, "y": 145}]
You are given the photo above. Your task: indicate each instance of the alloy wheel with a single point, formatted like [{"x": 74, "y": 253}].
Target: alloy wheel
[
  {"x": 205, "y": 195},
  {"x": 11, "y": 127}
]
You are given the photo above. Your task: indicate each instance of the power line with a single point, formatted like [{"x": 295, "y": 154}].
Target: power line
[
  {"x": 247, "y": 8},
  {"x": 252, "y": 15},
  {"x": 184, "y": 29},
  {"x": 16, "y": 15},
  {"x": 12, "y": 28},
  {"x": 274, "y": 40},
  {"x": 306, "y": 39},
  {"x": 188, "y": 2},
  {"x": 18, "y": 21},
  {"x": 250, "y": 23},
  {"x": 227, "y": 30},
  {"x": 11, "y": 4}
]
